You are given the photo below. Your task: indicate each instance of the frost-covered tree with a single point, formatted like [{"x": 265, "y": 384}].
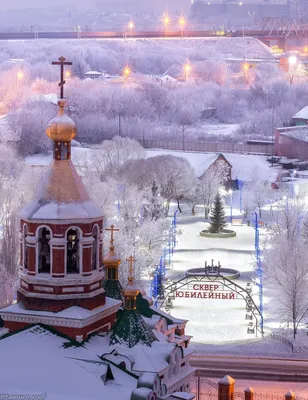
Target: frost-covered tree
[
  {"x": 285, "y": 263},
  {"x": 287, "y": 279},
  {"x": 108, "y": 159},
  {"x": 256, "y": 195},
  {"x": 218, "y": 215},
  {"x": 210, "y": 183}
]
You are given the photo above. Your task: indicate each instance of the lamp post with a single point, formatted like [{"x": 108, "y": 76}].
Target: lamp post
[
  {"x": 293, "y": 173},
  {"x": 166, "y": 22},
  {"x": 126, "y": 73},
  {"x": 292, "y": 67},
  {"x": 231, "y": 204},
  {"x": 131, "y": 27},
  {"x": 183, "y": 26},
  {"x": 187, "y": 69}
]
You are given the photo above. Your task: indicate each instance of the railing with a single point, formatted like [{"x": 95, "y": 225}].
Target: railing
[
  {"x": 207, "y": 147},
  {"x": 281, "y": 339}
]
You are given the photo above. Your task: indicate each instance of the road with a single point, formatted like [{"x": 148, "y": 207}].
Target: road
[
  {"x": 251, "y": 368},
  {"x": 133, "y": 34}
]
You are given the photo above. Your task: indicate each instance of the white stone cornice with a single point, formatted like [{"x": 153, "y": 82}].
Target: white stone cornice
[
  {"x": 58, "y": 241},
  {"x": 87, "y": 240},
  {"x": 31, "y": 240},
  {"x": 69, "y": 296},
  {"x": 58, "y": 321},
  {"x": 67, "y": 280}
]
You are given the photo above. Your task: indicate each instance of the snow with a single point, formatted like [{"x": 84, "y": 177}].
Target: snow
[
  {"x": 75, "y": 312},
  {"x": 50, "y": 97},
  {"x": 183, "y": 396},
  {"x": 296, "y": 132},
  {"x": 245, "y": 167},
  {"x": 43, "y": 366},
  {"x": 227, "y": 380},
  {"x": 61, "y": 211},
  {"x": 302, "y": 114}
]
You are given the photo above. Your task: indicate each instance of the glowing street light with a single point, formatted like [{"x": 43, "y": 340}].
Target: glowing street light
[
  {"x": 292, "y": 60},
  {"x": 68, "y": 74},
  {"x": 166, "y": 21},
  {"x": 292, "y": 67},
  {"x": 245, "y": 68},
  {"x": 187, "y": 69},
  {"x": 20, "y": 75},
  {"x": 182, "y": 22},
  {"x": 126, "y": 72},
  {"x": 131, "y": 26}
]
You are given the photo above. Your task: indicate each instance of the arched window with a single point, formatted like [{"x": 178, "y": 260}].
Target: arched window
[
  {"x": 25, "y": 247},
  {"x": 44, "y": 250},
  {"x": 111, "y": 273},
  {"x": 95, "y": 245},
  {"x": 72, "y": 251}
]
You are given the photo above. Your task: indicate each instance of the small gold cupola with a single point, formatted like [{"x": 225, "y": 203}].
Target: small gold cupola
[
  {"x": 131, "y": 291},
  {"x": 61, "y": 130}
]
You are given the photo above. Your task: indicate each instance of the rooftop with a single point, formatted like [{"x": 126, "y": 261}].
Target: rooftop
[{"x": 61, "y": 195}]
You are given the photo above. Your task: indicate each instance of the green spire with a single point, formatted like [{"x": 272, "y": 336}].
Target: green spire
[{"x": 130, "y": 329}]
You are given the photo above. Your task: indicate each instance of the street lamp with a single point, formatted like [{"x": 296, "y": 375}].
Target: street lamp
[
  {"x": 166, "y": 22},
  {"x": 182, "y": 25},
  {"x": 131, "y": 27},
  {"x": 20, "y": 75},
  {"x": 293, "y": 174},
  {"x": 245, "y": 68},
  {"x": 292, "y": 67},
  {"x": 187, "y": 69},
  {"x": 231, "y": 204},
  {"x": 126, "y": 72}
]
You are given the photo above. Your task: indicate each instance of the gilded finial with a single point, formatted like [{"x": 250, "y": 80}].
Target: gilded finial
[
  {"x": 61, "y": 128},
  {"x": 131, "y": 278}
]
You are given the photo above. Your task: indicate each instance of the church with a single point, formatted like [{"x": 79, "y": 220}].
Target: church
[{"x": 74, "y": 331}]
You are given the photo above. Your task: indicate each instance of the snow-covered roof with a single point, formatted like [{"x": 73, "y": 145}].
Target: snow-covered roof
[
  {"x": 50, "y": 97},
  {"x": 182, "y": 396},
  {"x": 152, "y": 358},
  {"x": 93, "y": 73},
  {"x": 61, "y": 195},
  {"x": 37, "y": 362},
  {"x": 296, "y": 132},
  {"x": 74, "y": 312},
  {"x": 244, "y": 166},
  {"x": 302, "y": 114}
]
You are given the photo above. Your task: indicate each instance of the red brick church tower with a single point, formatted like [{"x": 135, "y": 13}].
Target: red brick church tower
[{"x": 61, "y": 266}]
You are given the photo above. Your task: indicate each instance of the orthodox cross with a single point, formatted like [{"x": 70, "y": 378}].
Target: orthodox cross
[
  {"x": 62, "y": 62},
  {"x": 131, "y": 261},
  {"x": 112, "y": 229}
]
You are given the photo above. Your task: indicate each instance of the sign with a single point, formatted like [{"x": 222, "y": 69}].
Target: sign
[{"x": 206, "y": 291}]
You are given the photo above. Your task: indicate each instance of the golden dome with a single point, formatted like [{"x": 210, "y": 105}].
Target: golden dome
[{"x": 61, "y": 128}]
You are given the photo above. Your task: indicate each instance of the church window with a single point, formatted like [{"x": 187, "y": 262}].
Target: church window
[
  {"x": 95, "y": 247},
  {"x": 130, "y": 303},
  {"x": 111, "y": 273},
  {"x": 44, "y": 250},
  {"x": 25, "y": 247},
  {"x": 72, "y": 254}
]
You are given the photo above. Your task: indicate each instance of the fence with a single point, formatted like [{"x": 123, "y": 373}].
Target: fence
[
  {"x": 281, "y": 339},
  {"x": 206, "y": 389},
  {"x": 207, "y": 147}
]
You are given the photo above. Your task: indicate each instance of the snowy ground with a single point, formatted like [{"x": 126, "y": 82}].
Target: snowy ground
[{"x": 212, "y": 320}]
